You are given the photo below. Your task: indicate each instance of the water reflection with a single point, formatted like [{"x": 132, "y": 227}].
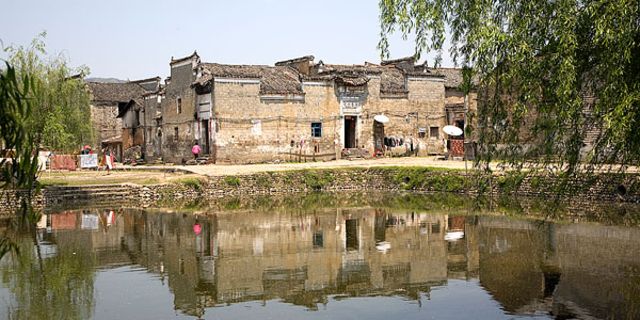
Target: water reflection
[{"x": 313, "y": 259}]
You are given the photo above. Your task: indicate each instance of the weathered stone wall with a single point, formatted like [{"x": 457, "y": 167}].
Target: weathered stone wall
[
  {"x": 252, "y": 129},
  {"x": 178, "y": 133},
  {"x": 105, "y": 121},
  {"x": 132, "y": 137},
  {"x": 422, "y": 180},
  {"x": 10, "y": 201},
  {"x": 422, "y": 108},
  {"x": 149, "y": 122}
]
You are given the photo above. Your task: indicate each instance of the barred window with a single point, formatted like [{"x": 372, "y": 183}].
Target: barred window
[{"x": 316, "y": 129}]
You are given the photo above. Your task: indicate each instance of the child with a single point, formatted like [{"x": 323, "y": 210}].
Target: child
[{"x": 195, "y": 150}]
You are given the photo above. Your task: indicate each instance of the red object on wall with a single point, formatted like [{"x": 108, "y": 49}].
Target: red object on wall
[
  {"x": 63, "y": 162},
  {"x": 64, "y": 221},
  {"x": 457, "y": 148}
]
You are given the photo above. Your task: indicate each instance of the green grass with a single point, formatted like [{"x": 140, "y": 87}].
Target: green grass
[
  {"x": 232, "y": 181},
  {"x": 315, "y": 180},
  {"x": 436, "y": 179},
  {"x": 192, "y": 183}
]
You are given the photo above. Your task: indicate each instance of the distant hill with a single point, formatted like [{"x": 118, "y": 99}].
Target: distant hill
[{"x": 105, "y": 80}]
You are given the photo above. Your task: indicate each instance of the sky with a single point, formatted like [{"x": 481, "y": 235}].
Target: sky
[{"x": 135, "y": 39}]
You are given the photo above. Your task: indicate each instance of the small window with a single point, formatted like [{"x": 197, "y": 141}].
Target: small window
[
  {"x": 318, "y": 239},
  {"x": 316, "y": 129},
  {"x": 422, "y": 133},
  {"x": 434, "y": 132},
  {"x": 435, "y": 228},
  {"x": 179, "y": 104},
  {"x": 175, "y": 134}
]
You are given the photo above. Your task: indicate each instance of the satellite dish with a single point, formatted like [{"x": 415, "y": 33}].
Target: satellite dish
[
  {"x": 381, "y": 118},
  {"x": 452, "y": 131}
]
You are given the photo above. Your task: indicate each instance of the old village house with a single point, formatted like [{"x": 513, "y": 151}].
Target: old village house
[
  {"x": 301, "y": 109},
  {"x": 117, "y": 110}
]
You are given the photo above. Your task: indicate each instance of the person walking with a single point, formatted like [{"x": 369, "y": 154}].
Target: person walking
[{"x": 108, "y": 160}]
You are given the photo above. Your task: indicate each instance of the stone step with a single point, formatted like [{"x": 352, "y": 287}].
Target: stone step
[
  {"x": 92, "y": 187},
  {"x": 102, "y": 195},
  {"x": 128, "y": 190}
]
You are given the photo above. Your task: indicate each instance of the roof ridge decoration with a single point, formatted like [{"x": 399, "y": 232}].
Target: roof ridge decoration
[
  {"x": 307, "y": 58},
  {"x": 157, "y": 78},
  {"x": 409, "y": 59},
  {"x": 189, "y": 57}
]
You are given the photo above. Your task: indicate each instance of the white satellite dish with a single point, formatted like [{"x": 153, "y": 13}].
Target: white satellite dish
[
  {"x": 381, "y": 118},
  {"x": 454, "y": 236},
  {"x": 452, "y": 131}
]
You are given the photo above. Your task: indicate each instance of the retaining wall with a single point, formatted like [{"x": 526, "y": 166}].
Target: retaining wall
[{"x": 426, "y": 180}]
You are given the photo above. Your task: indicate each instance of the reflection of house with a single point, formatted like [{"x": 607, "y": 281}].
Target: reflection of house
[
  {"x": 575, "y": 270},
  {"x": 253, "y": 113}
]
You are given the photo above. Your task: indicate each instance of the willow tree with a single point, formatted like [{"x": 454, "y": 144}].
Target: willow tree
[
  {"x": 558, "y": 81},
  {"x": 61, "y": 113}
]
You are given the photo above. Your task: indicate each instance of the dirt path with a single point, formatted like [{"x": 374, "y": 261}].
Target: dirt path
[
  {"x": 88, "y": 177},
  {"x": 221, "y": 170},
  {"x": 146, "y": 175}
]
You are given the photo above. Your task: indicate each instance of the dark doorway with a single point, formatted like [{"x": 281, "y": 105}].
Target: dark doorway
[
  {"x": 378, "y": 137},
  {"x": 460, "y": 124},
  {"x": 158, "y": 144},
  {"x": 205, "y": 136},
  {"x": 351, "y": 230},
  {"x": 350, "y": 131}
]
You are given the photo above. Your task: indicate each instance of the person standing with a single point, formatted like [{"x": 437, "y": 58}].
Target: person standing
[{"x": 196, "y": 150}]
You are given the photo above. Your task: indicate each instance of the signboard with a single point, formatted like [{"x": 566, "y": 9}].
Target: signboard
[
  {"x": 351, "y": 105},
  {"x": 89, "y": 161}
]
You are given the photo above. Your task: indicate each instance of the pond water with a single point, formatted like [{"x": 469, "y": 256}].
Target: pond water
[{"x": 319, "y": 262}]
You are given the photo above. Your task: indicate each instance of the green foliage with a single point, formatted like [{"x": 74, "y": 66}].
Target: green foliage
[
  {"x": 417, "y": 178},
  {"x": 558, "y": 81},
  {"x": 317, "y": 180},
  {"x": 19, "y": 171},
  {"x": 60, "y": 113},
  {"x": 483, "y": 183},
  {"x": 192, "y": 183},
  {"x": 232, "y": 181},
  {"x": 511, "y": 181}
]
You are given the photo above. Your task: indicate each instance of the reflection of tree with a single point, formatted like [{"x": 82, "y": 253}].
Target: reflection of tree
[{"x": 58, "y": 287}]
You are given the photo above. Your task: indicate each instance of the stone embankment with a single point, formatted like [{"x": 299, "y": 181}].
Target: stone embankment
[{"x": 417, "y": 179}]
